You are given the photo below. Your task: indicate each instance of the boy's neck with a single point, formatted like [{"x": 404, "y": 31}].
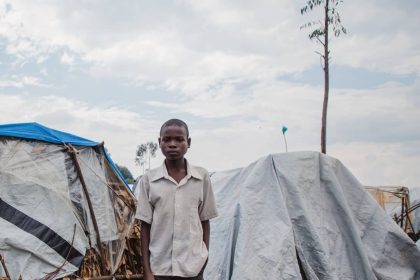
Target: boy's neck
[
  {"x": 176, "y": 164},
  {"x": 177, "y": 169}
]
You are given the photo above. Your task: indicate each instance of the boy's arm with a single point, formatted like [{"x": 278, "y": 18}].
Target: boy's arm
[
  {"x": 206, "y": 232},
  {"x": 145, "y": 254},
  {"x": 206, "y": 237}
]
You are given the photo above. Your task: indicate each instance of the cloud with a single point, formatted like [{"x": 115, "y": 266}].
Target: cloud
[
  {"x": 180, "y": 43},
  {"x": 381, "y": 165},
  {"x": 159, "y": 42},
  {"x": 28, "y": 35},
  {"x": 67, "y": 59},
  {"x": 397, "y": 54},
  {"x": 385, "y": 114},
  {"x": 169, "y": 50},
  {"x": 20, "y": 82},
  {"x": 380, "y": 36},
  {"x": 121, "y": 130}
]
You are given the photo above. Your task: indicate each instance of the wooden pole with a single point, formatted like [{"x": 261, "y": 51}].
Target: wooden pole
[
  {"x": 402, "y": 211},
  {"x": 134, "y": 276},
  {"x": 326, "y": 82},
  {"x": 4, "y": 267},
  {"x": 73, "y": 155}
]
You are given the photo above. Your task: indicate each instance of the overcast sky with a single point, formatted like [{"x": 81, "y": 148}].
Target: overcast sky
[{"x": 236, "y": 71}]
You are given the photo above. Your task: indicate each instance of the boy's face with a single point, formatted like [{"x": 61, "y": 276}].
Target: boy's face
[{"x": 173, "y": 142}]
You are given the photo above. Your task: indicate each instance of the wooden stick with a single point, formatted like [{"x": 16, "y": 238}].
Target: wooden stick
[
  {"x": 134, "y": 276},
  {"x": 72, "y": 151},
  {"x": 4, "y": 267}
]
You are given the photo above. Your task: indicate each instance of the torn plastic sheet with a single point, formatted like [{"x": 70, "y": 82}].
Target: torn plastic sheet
[{"x": 40, "y": 181}]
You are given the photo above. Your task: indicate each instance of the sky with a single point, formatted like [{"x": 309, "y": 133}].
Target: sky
[{"x": 235, "y": 71}]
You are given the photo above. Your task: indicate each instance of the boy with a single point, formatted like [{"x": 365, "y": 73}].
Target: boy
[{"x": 175, "y": 205}]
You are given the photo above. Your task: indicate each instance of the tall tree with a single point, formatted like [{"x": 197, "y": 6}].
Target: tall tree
[
  {"x": 320, "y": 33},
  {"x": 144, "y": 153}
]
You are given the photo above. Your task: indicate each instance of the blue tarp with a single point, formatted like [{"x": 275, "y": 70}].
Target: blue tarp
[{"x": 36, "y": 131}]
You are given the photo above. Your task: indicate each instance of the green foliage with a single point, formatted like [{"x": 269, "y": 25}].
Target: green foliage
[
  {"x": 311, "y": 4},
  {"x": 333, "y": 18},
  {"x": 126, "y": 173}
]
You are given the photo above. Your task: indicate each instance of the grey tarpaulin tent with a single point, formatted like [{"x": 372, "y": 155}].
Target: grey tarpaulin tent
[{"x": 304, "y": 206}]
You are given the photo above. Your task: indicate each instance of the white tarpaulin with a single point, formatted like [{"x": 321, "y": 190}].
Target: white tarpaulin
[
  {"x": 38, "y": 217},
  {"x": 304, "y": 206},
  {"x": 46, "y": 224}
]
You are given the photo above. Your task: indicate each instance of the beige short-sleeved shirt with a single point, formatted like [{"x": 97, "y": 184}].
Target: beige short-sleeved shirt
[{"x": 175, "y": 212}]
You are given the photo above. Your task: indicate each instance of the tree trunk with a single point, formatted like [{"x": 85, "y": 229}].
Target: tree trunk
[
  {"x": 149, "y": 158},
  {"x": 326, "y": 83}
]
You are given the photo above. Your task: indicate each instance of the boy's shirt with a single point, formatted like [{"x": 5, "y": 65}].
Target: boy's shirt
[{"x": 175, "y": 212}]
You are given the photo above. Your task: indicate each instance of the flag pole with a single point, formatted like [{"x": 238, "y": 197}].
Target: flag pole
[{"x": 284, "y": 129}]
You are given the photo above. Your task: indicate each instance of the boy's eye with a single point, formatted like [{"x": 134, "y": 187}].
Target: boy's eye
[{"x": 168, "y": 139}]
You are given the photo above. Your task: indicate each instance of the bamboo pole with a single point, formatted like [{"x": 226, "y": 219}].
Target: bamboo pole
[
  {"x": 73, "y": 154},
  {"x": 4, "y": 267}
]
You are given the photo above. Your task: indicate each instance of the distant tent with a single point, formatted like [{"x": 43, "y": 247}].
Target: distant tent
[
  {"x": 60, "y": 197},
  {"x": 415, "y": 204},
  {"x": 303, "y": 215},
  {"x": 399, "y": 205}
]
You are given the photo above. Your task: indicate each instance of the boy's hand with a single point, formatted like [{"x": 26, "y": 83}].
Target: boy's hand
[
  {"x": 149, "y": 276},
  {"x": 145, "y": 254}
]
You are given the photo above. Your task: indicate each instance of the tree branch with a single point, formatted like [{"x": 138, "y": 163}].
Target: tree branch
[
  {"x": 320, "y": 54},
  {"x": 319, "y": 40},
  {"x": 321, "y": 59}
]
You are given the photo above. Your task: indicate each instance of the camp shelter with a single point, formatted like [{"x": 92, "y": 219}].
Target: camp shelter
[
  {"x": 397, "y": 203},
  {"x": 60, "y": 197},
  {"x": 303, "y": 215}
]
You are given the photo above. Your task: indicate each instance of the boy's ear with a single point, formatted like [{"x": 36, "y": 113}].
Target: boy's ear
[
  {"x": 189, "y": 142},
  {"x": 159, "y": 141}
]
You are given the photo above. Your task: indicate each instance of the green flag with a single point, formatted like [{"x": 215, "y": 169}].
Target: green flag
[{"x": 284, "y": 129}]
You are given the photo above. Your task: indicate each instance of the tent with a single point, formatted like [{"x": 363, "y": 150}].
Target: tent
[
  {"x": 60, "y": 197},
  {"x": 399, "y": 203},
  {"x": 303, "y": 215}
]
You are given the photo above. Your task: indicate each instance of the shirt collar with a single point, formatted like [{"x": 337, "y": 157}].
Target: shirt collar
[{"x": 162, "y": 172}]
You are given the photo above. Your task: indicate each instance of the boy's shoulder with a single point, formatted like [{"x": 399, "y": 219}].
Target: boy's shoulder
[
  {"x": 153, "y": 174},
  {"x": 199, "y": 169},
  {"x": 198, "y": 172}
]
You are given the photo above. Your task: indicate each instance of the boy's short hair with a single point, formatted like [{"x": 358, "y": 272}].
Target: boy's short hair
[{"x": 176, "y": 122}]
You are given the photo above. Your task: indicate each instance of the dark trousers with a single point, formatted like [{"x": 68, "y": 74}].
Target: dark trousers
[{"x": 198, "y": 277}]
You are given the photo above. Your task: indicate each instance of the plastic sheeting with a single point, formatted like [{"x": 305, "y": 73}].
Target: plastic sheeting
[
  {"x": 45, "y": 221},
  {"x": 304, "y": 206},
  {"x": 33, "y": 180},
  {"x": 37, "y": 131}
]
